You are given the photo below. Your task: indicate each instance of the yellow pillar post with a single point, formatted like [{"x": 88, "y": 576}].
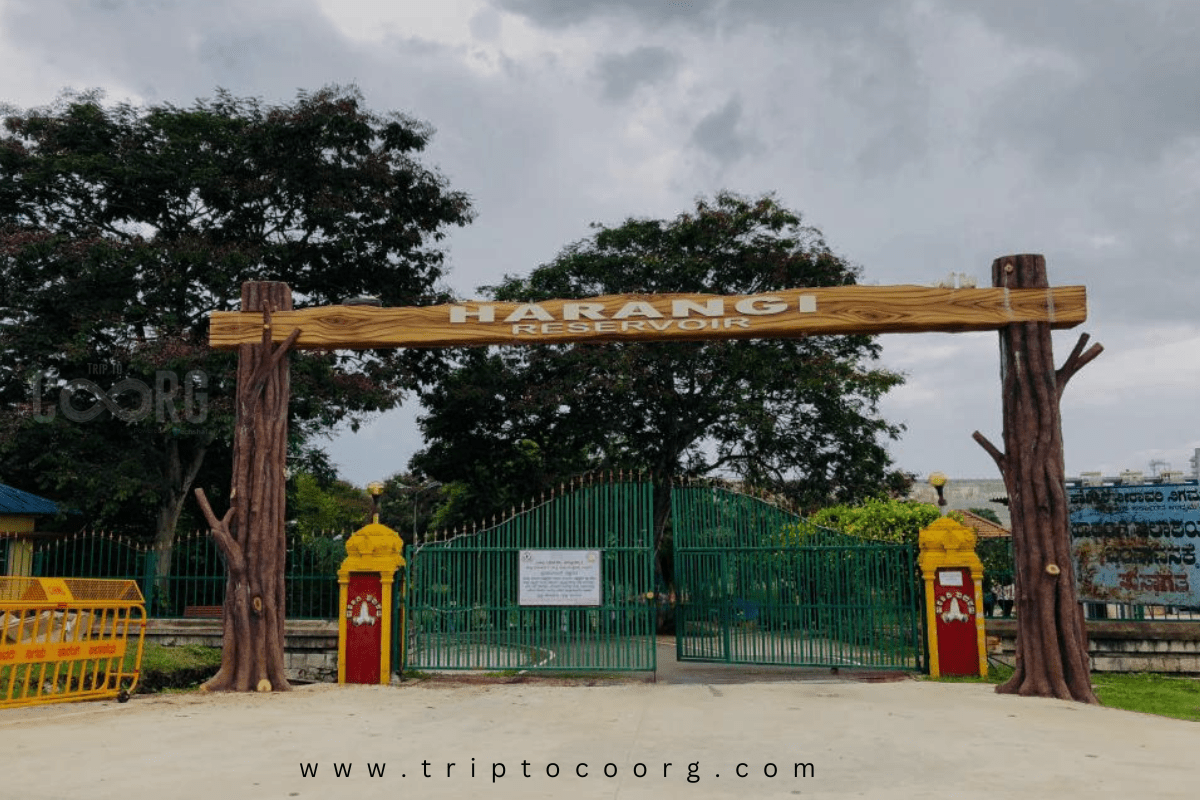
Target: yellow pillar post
[
  {"x": 20, "y": 548},
  {"x": 953, "y": 576},
  {"x": 20, "y": 557},
  {"x": 365, "y": 590}
]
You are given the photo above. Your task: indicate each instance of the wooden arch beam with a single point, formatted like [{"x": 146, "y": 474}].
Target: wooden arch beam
[{"x": 659, "y": 317}]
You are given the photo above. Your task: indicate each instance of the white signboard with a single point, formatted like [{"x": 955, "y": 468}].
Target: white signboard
[
  {"x": 559, "y": 578},
  {"x": 946, "y": 578}
]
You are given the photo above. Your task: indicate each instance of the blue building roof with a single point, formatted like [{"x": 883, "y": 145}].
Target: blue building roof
[{"x": 14, "y": 501}]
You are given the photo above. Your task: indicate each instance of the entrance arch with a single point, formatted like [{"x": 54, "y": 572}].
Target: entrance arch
[{"x": 1020, "y": 304}]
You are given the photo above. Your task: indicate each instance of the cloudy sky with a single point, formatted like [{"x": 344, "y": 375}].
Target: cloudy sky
[{"x": 921, "y": 137}]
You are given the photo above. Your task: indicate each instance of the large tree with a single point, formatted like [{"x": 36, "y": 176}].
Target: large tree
[
  {"x": 798, "y": 415},
  {"x": 492, "y": 438},
  {"x": 123, "y": 226}
]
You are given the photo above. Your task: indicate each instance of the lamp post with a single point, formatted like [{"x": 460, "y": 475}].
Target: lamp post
[
  {"x": 375, "y": 488},
  {"x": 415, "y": 491},
  {"x": 938, "y": 481}
]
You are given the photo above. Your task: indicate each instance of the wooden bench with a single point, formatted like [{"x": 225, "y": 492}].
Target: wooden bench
[{"x": 203, "y": 612}]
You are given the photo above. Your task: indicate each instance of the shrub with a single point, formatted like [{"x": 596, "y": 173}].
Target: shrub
[{"x": 898, "y": 521}]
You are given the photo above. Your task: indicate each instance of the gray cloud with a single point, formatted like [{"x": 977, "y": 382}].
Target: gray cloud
[
  {"x": 843, "y": 17},
  {"x": 179, "y": 50},
  {"x": 1119, "y": 82},
  {"x": 866, "y": 49},
  {"x": 559, "y": 14},
  {"x": 719, "y": 133},
  {"x": 922, "y": 137},
  {"x": 485, "y": 25},
  {"x": 622, "y": 74},
  {"x": 1116, "y": 79}
]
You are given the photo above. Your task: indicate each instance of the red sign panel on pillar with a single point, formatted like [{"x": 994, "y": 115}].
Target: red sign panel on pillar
[
  {"x": 364, "y": 628},
  {"x": 954, "y": 609}
]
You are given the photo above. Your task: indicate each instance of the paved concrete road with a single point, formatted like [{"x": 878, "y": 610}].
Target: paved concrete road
[{"x": 907, "y": 739}]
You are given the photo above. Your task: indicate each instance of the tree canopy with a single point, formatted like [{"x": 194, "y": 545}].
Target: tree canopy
[
  {"x": 798, "y": 416},
  {"x": 122, "y": 227},
  {"x": 880, "y": 519}
]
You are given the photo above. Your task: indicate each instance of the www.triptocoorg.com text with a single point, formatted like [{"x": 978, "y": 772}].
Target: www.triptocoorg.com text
[{"x": 497, "y": 771}]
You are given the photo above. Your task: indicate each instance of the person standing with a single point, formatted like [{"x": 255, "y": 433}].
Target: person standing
[{"x": 1004, "y": 595}]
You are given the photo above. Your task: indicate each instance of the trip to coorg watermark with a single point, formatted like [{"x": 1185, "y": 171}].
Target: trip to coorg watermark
[
  {"x": 129, "y": 399},
  {"x": 497, "y": 771}
]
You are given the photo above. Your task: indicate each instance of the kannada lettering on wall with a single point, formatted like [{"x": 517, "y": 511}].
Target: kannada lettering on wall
[
  {"x": 1137, "y": 544},
  {"x": 559, "y": 578}
]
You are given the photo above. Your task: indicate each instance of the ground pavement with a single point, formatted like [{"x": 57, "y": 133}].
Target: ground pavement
[{"x": 798, "y": 734}]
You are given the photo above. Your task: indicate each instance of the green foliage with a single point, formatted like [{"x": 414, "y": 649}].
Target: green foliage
[
  {"x": 996, "y": 555},
  {"x": 123, "y": 227},
  {"x": 902, "y": 520},
  {"x": 411, "y": 503},
  {"x": 335, "y": 507},
  {"x": 459, "y": 502},
  {"x": 799, "y": 416},
  {"x": 881, "y": 520},
  {"x": 491, "y": 439}
]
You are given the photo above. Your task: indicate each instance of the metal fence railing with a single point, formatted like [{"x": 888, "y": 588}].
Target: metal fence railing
[
  {"x": 1129, "y": 612},
  {"x": 195, "y": 575}
]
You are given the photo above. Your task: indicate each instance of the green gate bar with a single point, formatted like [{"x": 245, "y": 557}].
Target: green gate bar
[
  {"x": 464, "y": 609},
  {"x": 757, "y": 584}
]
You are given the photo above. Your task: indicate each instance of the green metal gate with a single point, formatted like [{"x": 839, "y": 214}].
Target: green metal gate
[
  {"x": 756, "y": 584},
  {"x": 564, "y": 585}
]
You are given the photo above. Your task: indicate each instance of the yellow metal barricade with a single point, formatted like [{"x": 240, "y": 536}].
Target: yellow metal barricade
[{"x": 64, "y": 639}]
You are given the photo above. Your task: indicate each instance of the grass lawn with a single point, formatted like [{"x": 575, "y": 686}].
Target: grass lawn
[
  {"x": 182, "y": 667},
  {"x": 163, "y": 668},
  {"x": 1149, "y": 693},
  {"x": 189, "y": 656}
]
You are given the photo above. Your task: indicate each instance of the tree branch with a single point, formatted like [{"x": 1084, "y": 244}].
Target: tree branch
[
  {"x": 220, "y": 532},
  {"x": 193, "y": 468},
  {"x": 268, "y": 365},
  {"x": 726, "y": 459},
  {"x": 993, "y": 451},
  {"x": 1075, "y": 362}
]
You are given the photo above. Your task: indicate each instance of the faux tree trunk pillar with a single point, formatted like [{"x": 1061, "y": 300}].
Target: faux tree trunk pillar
[
  {"x": 251, "y": 535},
  {"x": 1052, "y": 657}
]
